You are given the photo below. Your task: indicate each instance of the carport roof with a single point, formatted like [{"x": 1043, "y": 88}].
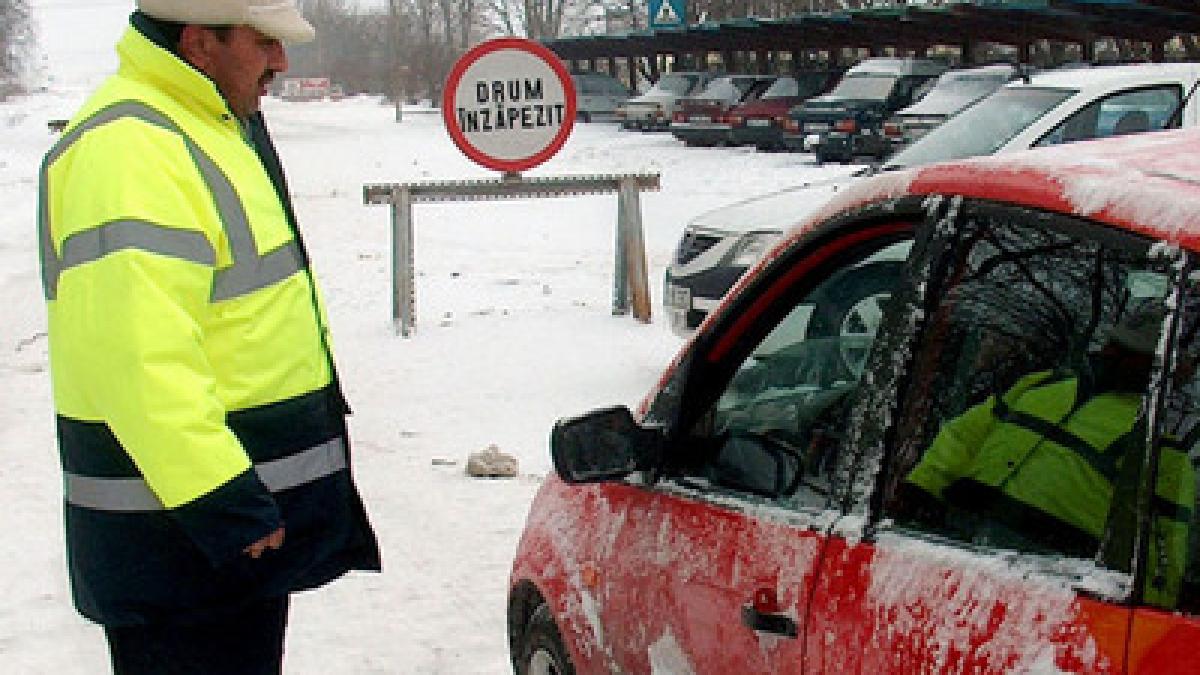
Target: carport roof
[{"x": 913, "y": 26}]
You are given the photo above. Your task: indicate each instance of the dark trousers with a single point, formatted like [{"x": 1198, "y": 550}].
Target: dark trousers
[{"x": 249, "y": 642}]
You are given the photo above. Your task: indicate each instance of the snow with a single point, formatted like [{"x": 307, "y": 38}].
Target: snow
[
  {"x": 667, "y": 657},
  {"x": 907, "y": 574},
  {"x": 1115, "y": 181},
  {"x": 514, "y": 329}
]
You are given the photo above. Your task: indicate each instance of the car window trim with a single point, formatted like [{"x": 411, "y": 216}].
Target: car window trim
[
  {"x": 809, "y": 263},
  {"x": 1177, "y": 86}
]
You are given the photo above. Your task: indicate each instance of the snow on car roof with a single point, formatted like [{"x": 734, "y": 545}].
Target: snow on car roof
[{"x": 1147, "y": 183}]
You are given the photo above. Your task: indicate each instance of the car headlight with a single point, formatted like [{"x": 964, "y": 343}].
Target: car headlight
[{"x": 752, "y": 247}]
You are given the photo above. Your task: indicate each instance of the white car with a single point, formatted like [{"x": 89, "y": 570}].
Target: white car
[
  {"x": 1051, "y": 107},
  {"x": 597, "y": 96},
  {"x": 652, "y": 110},
  {"x": 953, "y": 91}
]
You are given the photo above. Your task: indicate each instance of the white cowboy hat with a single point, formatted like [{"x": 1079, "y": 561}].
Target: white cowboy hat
[{"x": 279, "y": 19}]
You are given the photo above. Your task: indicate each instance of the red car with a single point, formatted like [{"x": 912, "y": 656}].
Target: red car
[
  {"x": 760, "y": 122},
  {"x": 701, "y": 120},
  {"x": 767, "y": 509}
]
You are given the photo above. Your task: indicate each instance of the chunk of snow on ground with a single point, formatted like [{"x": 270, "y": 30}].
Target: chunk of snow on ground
[{"x": 667, "y": 658}]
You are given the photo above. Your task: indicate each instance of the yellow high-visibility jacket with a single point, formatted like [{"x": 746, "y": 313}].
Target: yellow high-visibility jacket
[
  {"x": 1048, "y": 462},
  {"x": 196, "y": 399}
]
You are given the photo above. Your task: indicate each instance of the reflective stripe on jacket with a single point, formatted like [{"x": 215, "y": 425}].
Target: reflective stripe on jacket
[{"x": 197, "y": 405}]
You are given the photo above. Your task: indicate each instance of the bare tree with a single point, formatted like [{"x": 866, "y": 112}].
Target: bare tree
[
  {"x": 506, "y": 17},
  {"x": 16, "y": 44},
  {"x": 543, "y": 18}
]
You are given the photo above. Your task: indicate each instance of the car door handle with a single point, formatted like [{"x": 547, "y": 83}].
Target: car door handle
[{"x": 778, "y": 624}]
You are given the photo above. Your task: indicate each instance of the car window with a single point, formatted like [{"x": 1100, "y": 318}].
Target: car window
[
  {"x": 674, "y": 83},
  {"x": 1124, "y": 113},
  {"x": 586, "y": 85},
  {"x": 776, "y": 427},
  {"x": 724, "y": 88},
  {"x": 1023, "y": 415},
  {"x": 982, "y": 128},
  {"x": 782, "y": 87},
  {"x": 865, "y": 86}
]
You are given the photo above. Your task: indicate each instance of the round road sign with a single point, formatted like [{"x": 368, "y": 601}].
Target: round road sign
[{"x": 509, "y": 104}]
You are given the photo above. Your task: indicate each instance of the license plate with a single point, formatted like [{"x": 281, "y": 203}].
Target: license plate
[
  {"x": 816, "y": 127},
  {"x": 699, "y": 118},
  {"x": 680, "y": 297},
  {"x": 758, "y": 123}
]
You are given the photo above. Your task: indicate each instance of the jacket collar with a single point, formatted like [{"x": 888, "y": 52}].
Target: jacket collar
[{"x": 144, "y": 61}]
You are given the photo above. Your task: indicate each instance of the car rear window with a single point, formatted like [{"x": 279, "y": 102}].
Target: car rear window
[
  {"x": 866, "y": 86},
  {"x": 783, "y": 87}
]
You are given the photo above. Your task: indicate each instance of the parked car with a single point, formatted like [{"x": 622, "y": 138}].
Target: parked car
[
  {"x": 701, "y": 119},
  {"x": 760, "y": 122},
  {"x": 597, "y": 95},
  {"x": 953, "y": 91},
  {"x": 848, "y": 121},
  {"x": 752, "y": 517},
  {"x": 652, "y": 110},
  {"x": 1052, "y": 107}
]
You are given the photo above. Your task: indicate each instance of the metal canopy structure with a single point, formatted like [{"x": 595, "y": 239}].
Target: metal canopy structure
[{"x": 911, "y": 27}]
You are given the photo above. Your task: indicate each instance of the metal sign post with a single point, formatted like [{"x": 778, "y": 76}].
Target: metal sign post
[
  {"x": 631, "y": 288},
  {"x": 509, "y": 105}
]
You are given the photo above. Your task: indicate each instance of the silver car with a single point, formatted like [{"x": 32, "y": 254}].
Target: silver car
[
  {"x": 597, "y": 96},
  {"x": 652, "y": 110}
]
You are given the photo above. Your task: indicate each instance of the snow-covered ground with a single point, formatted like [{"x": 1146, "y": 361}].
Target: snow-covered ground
[{"x": 514, "y": 329}]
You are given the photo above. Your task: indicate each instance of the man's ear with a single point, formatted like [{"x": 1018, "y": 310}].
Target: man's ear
[{"x": 196, "y": 45}]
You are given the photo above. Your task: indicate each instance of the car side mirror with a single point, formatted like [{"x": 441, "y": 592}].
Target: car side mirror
[{"x": 603, "y": 445}]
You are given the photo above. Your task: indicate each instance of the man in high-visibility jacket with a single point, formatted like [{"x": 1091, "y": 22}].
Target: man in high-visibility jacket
[
  {"x": 200, "y": 421},
  {"x": 1039, "y": 465}
]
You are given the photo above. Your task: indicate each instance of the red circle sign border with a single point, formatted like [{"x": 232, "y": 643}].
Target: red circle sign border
[{"x": 466, "y": 61}]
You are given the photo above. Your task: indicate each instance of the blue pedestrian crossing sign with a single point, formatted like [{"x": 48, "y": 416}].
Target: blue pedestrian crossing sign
[{"x": 667, "y": 13}]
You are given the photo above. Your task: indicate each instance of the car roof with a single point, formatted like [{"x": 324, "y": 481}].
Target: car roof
[
  {"x": 998, "y": 71},
  {"x": 893, "y": 66},
  {"x": 584, "y": 74},
  {"x": 1147, "y": 183},
  {"x": 1080, "y": 77}
]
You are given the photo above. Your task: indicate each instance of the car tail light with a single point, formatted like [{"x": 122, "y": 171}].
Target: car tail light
[
  {"x": 679, "y": 117},
  {"x": 848, "y": 126},
  {"x": 790, "y": 124},
  {"x": 893, "y": 129},
  {"x": 782, "y": 120},
  {"x": 737, "y": 120}
]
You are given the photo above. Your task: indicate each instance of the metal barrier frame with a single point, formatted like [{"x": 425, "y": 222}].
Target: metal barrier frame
[{"x": 631, "y": 290}]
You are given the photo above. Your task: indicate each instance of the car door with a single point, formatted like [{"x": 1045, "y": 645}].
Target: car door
[
  {"x": 975, "y": 579},
  {"x": 730, "y": 533},
  {"x": 1166, "y": 626}
]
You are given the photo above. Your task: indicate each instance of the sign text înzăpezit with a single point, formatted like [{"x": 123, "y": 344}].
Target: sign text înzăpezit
[{"x": 505, "y": 105}]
